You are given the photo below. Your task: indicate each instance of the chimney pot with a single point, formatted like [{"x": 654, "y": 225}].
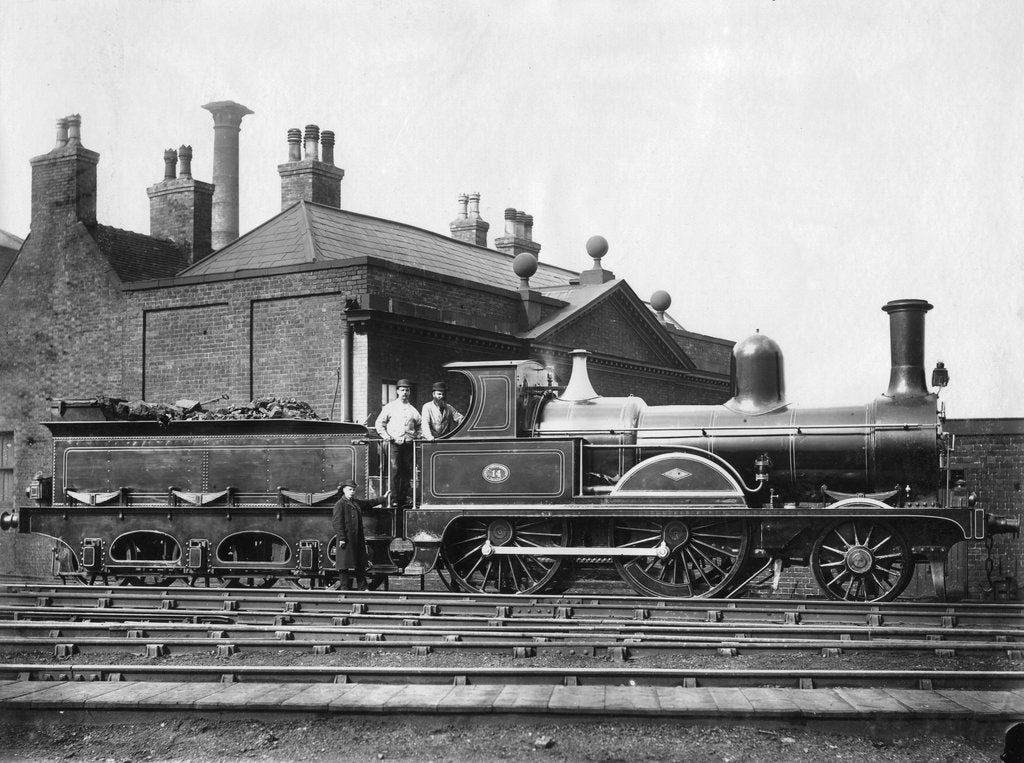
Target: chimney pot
[
  {"x": 295, "y": 145},
  {"x": 305, "y": 177},
  {"x": 468, "y": 226},
  {"x": 520, "y": 224},
  {"x": 327, "y": 145},
  {"x": 74, "y": 129},
  {"x": 528, "y": 228},
  {"x": 312, "y": 142},
  {"x": 62, "y": 133},
  {"x": 170, "y": 158},
  {"x": 185, "y": 160}
]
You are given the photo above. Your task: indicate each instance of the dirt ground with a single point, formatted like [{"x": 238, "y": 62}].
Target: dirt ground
[{"x": 421, "y": 739}]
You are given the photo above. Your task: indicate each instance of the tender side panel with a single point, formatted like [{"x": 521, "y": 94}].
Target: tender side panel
[
  {"x": 139, "y": 468},
  {"x": 254, "y": 467},
  {"x": 263, "y": 469}
]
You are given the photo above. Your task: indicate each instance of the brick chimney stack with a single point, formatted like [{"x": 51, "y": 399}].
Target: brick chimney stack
[
  {"x": 518, "y": 236},
  {"x": 468, "y": 226},
  {"x": 310, "y": 177},
  {"x": 181, "y": 208},
  {"x": 64, "y": 180},
  {"x": 227, "y": 123}
]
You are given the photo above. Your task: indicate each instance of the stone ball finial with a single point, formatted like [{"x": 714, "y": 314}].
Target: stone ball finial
[
  {"x": 661, "y": 301},
  {"x": 597, "y": 247},
  {"x": 524, "y": 265}
]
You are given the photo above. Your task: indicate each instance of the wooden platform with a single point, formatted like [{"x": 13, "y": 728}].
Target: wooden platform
[{"x": 28, "y": 699}]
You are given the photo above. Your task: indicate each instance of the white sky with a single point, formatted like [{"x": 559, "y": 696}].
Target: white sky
[{"x": 785, "y": 166}]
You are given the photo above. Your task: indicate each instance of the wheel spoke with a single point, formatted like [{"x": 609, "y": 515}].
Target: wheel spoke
[
  {"x": 706, "y": 557},
  {"x": 463, "y": 543},
  {"x": 875, "y": 566}
]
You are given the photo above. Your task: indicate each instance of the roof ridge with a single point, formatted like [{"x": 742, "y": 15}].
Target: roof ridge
[
  {"x": 312, "y": 247},
  {"x": 433, "y": 233}
]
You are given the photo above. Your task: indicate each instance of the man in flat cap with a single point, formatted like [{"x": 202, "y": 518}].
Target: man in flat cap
[
  {"x": 398, "y": 424},
  {"x": 439, "y": 418},
  {"x": 347, "y": 522}
]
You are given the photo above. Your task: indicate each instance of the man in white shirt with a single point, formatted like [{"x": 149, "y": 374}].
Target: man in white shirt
[
  {"x": 398, "y": 424},
  {"x": 439, "y": 418}
]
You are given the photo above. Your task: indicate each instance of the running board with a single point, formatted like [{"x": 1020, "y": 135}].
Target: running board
[{"x": 660, "y": 552}]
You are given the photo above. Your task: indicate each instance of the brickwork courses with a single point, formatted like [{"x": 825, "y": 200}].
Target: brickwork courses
[{"x": 990, "y": 453}]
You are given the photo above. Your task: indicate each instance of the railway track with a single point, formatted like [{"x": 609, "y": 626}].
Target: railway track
[
  {"x": 20, "y": 597},
  {"x": 318, "y": 642}
]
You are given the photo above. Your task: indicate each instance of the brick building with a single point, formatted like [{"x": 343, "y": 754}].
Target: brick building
[
  {"x": 989, "y": 455},
  {"x": 332, "y": 307},
  {"x": 317, "y": 303}
]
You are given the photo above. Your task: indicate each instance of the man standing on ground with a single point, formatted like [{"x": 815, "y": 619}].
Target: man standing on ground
[
  {"x": 347, "y": 521},
  {"x": 439, "y": 418},
  {"x": 398, "y": 424}
]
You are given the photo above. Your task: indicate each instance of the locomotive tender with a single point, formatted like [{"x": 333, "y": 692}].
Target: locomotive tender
[{"x": 686, "y": 500}]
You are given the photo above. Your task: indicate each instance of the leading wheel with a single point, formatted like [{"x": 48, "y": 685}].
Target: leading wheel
[
  {"x": 704, "y": 555},
  {"x": 471, "y": 571},
  {"x": 862, "y": 559}
]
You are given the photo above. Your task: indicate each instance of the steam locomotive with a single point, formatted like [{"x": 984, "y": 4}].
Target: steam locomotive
[{"x": 685, "y": 500}]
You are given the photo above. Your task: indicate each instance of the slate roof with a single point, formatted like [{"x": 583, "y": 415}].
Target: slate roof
[
  {"x": 308, "y": 233},
  {"x": 576, "y": 298},
  {"x": 137, "y": 257},
  {"x": 9, "y": 247},
  {"x": 579, "y": 299}
]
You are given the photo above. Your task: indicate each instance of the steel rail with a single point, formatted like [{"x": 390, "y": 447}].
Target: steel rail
[
  {"x": 643, "y": 607},
  {"x": 91, "y": 620},
  {"x": 505, "y": 675},
  {"x": 156, "y": 644},
  {"x": 1007, "y": 624}
]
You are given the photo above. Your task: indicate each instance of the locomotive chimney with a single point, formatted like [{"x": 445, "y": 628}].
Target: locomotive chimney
[
  {"x": 579, "y": 387},
  {"x": 906, "y": 343}
]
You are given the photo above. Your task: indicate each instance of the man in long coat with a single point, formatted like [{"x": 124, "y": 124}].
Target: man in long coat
[{"x": 347, "y": 521}]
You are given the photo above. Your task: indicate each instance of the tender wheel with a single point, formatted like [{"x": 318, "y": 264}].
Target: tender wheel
[
  {"x": 704, "y": 555},
  {"x": 471, "y": 571},
  {"x": 242, "y": 581},
  {"x": 862, "y": 560},
  {"x": 148, "y": 581},
  {"x": 305, "y": 584}
]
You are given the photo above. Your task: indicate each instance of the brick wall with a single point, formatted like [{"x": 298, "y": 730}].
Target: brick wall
[
  {"x": 708, "y": 353},
  {"x": 297, "y": 350},
  {"x": 192, "y": 352},
  {"x": 61, "y": 338},
  {"x": 255, "y": 337},
  {"x": 990, "y": 452}
]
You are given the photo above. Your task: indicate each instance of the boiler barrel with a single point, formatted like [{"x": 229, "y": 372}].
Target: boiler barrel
[{"x": 857, "y": 449}]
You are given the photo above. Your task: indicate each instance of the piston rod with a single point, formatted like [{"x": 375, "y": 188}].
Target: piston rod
[{"x": 661, "y": 551}]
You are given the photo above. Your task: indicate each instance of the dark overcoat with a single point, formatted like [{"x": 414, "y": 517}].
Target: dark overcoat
[{"x": 347, "y": 521}]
